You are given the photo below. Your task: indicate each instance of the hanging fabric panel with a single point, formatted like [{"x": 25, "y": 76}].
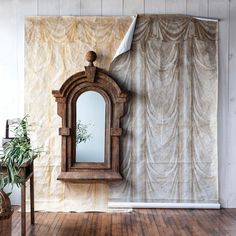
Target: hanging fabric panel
[{"x": 169, "y": 147}]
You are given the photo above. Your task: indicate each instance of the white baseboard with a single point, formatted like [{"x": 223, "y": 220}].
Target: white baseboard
[{"x": 163, "y": 205}]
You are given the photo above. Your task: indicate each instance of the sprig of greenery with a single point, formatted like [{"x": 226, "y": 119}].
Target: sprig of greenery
[{"x": 82, "y": 134}]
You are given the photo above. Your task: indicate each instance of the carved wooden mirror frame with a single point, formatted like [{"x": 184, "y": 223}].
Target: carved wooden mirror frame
[{"x": 92, "y": 79}]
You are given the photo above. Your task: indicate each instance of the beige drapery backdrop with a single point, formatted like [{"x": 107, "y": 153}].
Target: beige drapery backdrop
[
  {"x": 54, "y": 50},
  {"x": 170, "y": 141}
]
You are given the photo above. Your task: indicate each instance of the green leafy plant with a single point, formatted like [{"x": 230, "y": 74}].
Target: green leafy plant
[
  {"x": 82, "y": 134},
  {"x": 15, "y": 153}
]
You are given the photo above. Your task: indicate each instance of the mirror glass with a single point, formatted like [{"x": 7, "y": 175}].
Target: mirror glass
[{"x": 90, "y": 127}]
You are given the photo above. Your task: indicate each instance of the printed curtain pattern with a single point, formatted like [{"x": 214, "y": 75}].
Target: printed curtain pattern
[
  {"x": 170, "y": 128},
  {"x": 55, "y": 48}
]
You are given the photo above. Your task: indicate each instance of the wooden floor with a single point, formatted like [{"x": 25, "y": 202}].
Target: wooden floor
[{"x": 139, "y": 222}]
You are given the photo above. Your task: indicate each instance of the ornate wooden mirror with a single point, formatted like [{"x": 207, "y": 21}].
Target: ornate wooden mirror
[{"x": 91, "y": 105}]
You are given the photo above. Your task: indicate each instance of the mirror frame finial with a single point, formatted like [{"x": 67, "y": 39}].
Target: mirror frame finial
[{"x": 91, "y": 56}]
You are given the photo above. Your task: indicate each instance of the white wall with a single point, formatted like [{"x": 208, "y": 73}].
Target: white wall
[{"x": 12, "y": 14}]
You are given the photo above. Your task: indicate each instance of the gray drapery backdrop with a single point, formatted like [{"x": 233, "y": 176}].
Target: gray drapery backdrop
[{"x": 169, "y": 146}]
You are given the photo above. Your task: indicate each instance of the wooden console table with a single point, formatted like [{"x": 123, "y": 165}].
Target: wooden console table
[{"x": 27, "y": 173}]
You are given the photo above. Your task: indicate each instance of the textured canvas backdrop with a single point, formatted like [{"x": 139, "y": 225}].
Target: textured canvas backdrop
[
  {"x": 169, "y": 145},
  {"x": 54, "y": 50},
  {"x": 170, "y": 141}
]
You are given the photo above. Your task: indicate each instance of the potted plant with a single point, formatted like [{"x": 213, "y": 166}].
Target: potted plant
[{"x": 15, "y": 153}]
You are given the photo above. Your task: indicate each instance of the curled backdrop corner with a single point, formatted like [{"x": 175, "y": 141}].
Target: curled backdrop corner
[{"x": 127, "y": 40}]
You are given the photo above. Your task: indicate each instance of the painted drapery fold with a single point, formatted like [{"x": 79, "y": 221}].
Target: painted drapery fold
[{"x": 169, "y": 145}]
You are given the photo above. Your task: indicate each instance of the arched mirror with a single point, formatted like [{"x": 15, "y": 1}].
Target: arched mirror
[
  {"x": 91, "y": 105},
  {"x": 90, "y": 127}
]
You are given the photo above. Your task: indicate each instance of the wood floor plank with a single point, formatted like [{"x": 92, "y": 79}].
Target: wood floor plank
[
  {"x": 140, "y": 222},
  {"x": 102, "y": 222},
  {"x": 157, "y": 219},
  {"x": 17, "y": 223},
  {"x": 151, "y": 226},
  {"x": 137, "y": 230},
  {"x": 61, "y": 217},
  {"x": 116, "y": 229}
]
